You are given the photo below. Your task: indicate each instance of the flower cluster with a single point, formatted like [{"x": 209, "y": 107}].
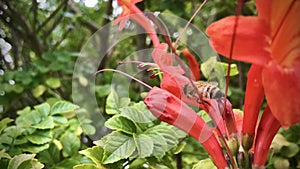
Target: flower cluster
[{"x": 271, "y": 42}]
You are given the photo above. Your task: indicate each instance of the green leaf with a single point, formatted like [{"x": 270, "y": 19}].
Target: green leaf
[
  {"x": 281, "y": 163},
  {"x": 144, "y": 145},
  {"x": 95, "y": 154},
  {"x": 3, "y": 154},
  {"x": 290, "y": 151},
  {"x": 112, "y": 103},
  {"x": 60, "y": 119},
  {"x": 39, "y": 91},
  {"x": 233, "y": 68},
  {"x": 32, "y": 117},
  {"x": 70, "y": 143},
  {"x": 87, "y": 166},
  {"x": 124, "y": 101},
  {"x": 33, "y": 148},
  {"x": 43, "y": 109},
  {"x": 160, "y": 146},
  {"x": 120, "y": 123},
  {"x": 279, "y": 141},
  {"x": 88, "y": 129},
  {"x": 4, "y": 122},
  {"x": 50, "y": 155},
  {"x": 67, "y": 163},
  {"x": 40, "y": 137},
  {"x": 138, "y": 113},
  {"x": 16, "y": 161},
  {"x": 62, "y": 107},
  {"x": 204, "y": 164},
  {"x": 118, "y": 146},
  {"x": 45, "y": 124},
  {"x": 13, "y": 131},
  {"x": 26, "y": 110},
  {"x": 31, "y": 164},
  {"x": 53, "y": 82},
  {"x": 102, "y": 90},
  {"x": 167, "y": 133}
]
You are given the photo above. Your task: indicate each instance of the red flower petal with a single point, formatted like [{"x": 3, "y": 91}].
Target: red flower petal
[
  {"x": 282, "y": 89},
  {"x": 250, "y": 44},
  {"x": 264, "y": 9},
  {"x": 285, "y": 32},
  {"x": 194, "y": 66}
]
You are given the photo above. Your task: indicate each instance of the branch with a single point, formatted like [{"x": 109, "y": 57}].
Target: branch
[
  {"x": 90, "y": 25},
  {"x": 52, "y": 15}
]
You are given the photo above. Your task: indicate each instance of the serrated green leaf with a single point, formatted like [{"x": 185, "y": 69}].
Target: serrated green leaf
[
  {"x": 53, "y": 82},
  {"x": 167, "y": 133},
  {"x": 70, "y": 143},
  {"x": 160, "y": 146},
  {"x": 144, "y": 145},
  {"x": 33, "y": 117},
  {"x": 112, "y": 103},
  {"x": 16, "y": 161},
  {"x": 45, "y": 124},
  {"x": 62, "y": 107},
  {"x": 118, "y": 146},
  {"x": 120, "y": 123},
  {"x": 138, "y": 113},
  {"x": 40, "y": 137},
  {"x": 204, "y": 164},
  {"x": 39, "y": 91},
  {"x": 4, "y": 122},
  {"x": 43, "y": 109},
  {"x": 87, "y": 166},
  {"x": 95, "y": 154}
]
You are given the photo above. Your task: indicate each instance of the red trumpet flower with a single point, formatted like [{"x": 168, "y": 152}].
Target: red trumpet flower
[
  {"x": 169, "y": 108},
  {"x": 270, "y": 41}
]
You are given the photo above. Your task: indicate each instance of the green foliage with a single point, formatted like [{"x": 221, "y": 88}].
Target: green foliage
[
  {"x": 136, "y": 135},
  {"x": 48, "y": 131},
  {"x": 285, "y": 149}
]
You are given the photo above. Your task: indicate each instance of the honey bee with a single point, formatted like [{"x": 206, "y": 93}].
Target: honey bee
[{"x": 207, "y": 90}]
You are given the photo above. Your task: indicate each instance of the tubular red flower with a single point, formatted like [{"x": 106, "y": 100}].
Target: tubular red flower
[
  {"x": 168, "y": 108},
  {"x": 253, "y": 100},
  {"x": 134, "y": 13},
  {"x": 271, "y": 40},
  {"x": 266, "y": 131}
]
